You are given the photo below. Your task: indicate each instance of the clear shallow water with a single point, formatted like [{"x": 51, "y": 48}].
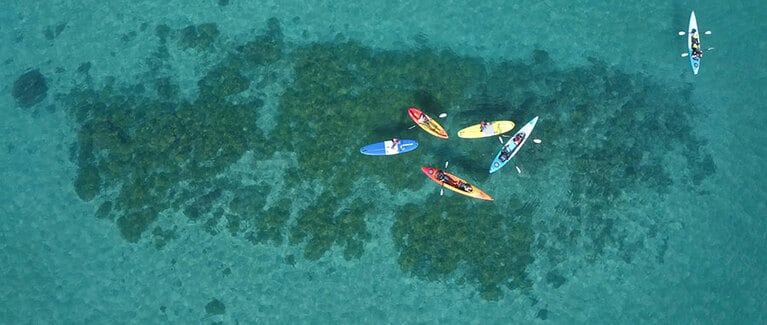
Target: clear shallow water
[{"x": 617, "y": 228}]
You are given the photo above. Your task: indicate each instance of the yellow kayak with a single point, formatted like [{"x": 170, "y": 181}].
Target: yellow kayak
[
  {"x": 455, "y": 183},
  {"x": 493, "y": 128},
  {"x": 426, "y": 123}
]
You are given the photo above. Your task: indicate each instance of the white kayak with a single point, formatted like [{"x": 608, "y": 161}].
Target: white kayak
[
  {"x": 511, "y": 148},
  {"x": 692, "y": 31}
]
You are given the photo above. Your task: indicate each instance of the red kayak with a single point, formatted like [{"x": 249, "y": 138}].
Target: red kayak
[{"x": 427, "y": 123}]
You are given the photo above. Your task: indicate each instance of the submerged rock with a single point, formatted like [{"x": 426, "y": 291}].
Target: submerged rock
[
  {"x": 30, "y": 88},
  {"x": 215, "y": 307},
  {"x": 543, "y": 314},
  {"x": 198, "y": 36}
]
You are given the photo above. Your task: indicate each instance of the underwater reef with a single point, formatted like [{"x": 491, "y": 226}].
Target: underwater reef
[
  {"x": 144, "y": 153},
  {"x": 484, "y": 246}
]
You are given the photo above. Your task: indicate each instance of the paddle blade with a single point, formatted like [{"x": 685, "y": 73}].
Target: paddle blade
[
  {"x": 446, "y": 163},
  {"x": 443, "y": 115},
  {"x": 684, "y": 55},
  {"x": 708, "y": 32},
  {"x": 500, "y": 139},
  {"x": 681, "y": 33}
]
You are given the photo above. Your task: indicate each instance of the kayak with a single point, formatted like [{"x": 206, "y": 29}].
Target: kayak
[
  {"x": 385, "y": 148},
  {"x": 426, "y": 123},
  {"x": 491, "y": 129},
  {"x": 694, "y": 62},
  {"x": 510, "y": 149},
  {"x": 455, "y": 183}
]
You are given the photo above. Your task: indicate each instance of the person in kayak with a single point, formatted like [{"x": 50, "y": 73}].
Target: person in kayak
[
  {"x": 394, "y": 143},
  {"x": 697, "y": 53},
  {"x": 423, "y": 119},
  {"x": 444, "y": 178},
  {"x": 505, "y": 154},
  {"x": 518, "y": 138},
  {"x": 465, "y": 187},
  {"x": 441, "y": 176},
  {"x": 482, "y": 125}
]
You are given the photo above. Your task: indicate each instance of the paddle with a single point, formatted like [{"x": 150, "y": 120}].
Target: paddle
[
  {"x": 442, "y": 184},
  {"x": 682, "y": 33},
  {"x": 684, "y": 55}
]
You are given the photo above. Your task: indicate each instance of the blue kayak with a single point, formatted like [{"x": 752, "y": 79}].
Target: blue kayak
[
  {"x": 386, "y": 148},
  {"x": 510, "y": 149}
]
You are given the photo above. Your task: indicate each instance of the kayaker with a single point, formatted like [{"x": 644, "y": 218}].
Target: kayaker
[
  {"x": 423, "y": 119},
  {"x": 518, "y": 138},
  {"x": 694, "y": 36},
  {"x": 465, "y": 187},
  {"x": 443, "y": 177},
  {"x": 505, "y": 153},
  {"x": 482, "y": 126},
  {"x": 696, "y": 52},
  {"x": 394, "y": 143}
]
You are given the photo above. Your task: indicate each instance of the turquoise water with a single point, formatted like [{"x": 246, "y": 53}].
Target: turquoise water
[{"x": 199, "y": 163}]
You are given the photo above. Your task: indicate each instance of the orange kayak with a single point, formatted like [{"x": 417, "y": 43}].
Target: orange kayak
[
  {"x": 427, "y": 123},
  {"x": 455, "y": 183}
]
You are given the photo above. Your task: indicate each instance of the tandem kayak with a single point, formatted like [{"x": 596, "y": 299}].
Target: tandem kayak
[
  {"x": 455, "y": 183},
  {"x": 692, "y": 31},
  {"x": 491, "y": 129},
  {"x": 510, "y": 149},
  {"x": 427, "y": 123},
  {"x": 387, "y": 148}
]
